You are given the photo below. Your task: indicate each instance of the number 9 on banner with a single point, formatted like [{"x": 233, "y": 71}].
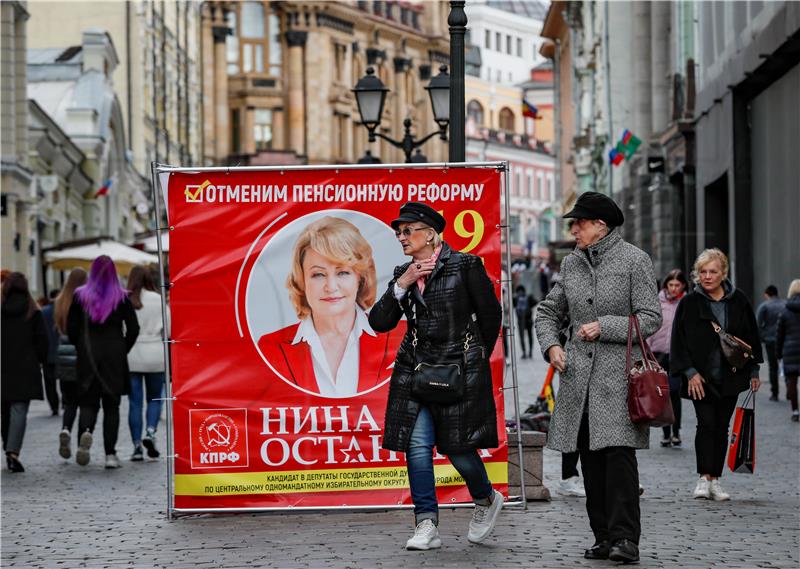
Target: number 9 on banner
[{"x": 475, "y": 234}]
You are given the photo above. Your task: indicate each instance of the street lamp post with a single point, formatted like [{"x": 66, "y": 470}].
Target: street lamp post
[
  {"x": 457, "y": 21},
  {"x": 371, "y": 95}
]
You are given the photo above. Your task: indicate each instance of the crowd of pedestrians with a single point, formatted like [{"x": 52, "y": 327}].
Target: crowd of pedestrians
[
  {"x": 83, "y": 349},
  {"x": 96, "y": 341}
]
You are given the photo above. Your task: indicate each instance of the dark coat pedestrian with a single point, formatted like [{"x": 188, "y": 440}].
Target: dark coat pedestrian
[
  {"x": 24, "y": 351},
  {"x": 787, "y": 345},
  {"x": 457, "y": 289},
  {"x": 708, "y": 379},
  {"x": 453, "y": 315},
  {"x": 25, "y": 348},
  {"x": 102, "y": 325}
]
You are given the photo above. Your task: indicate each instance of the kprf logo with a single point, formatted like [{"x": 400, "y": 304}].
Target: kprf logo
[
  {"x": 194, "y": 193},
  {"x": 218, "y": 438}
]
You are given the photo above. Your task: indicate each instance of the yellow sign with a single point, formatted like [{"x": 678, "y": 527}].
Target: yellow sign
[{"x": 285, "y": 482}]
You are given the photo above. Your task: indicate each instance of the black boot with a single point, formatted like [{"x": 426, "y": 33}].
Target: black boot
[
  {"x": 13, "y": 463},
  {"x": 598, "y": 551},
  {"x": 624, "y": 550}
]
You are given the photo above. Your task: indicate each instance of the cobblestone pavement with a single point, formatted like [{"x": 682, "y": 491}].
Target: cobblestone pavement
[{"x": 58, "y": 514}]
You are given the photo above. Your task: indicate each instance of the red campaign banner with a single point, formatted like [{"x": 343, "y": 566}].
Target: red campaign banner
[{"x": 263, "y": 417}]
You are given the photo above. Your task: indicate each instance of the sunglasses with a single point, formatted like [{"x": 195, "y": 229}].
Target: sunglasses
[{"x": 408, "y": 231}]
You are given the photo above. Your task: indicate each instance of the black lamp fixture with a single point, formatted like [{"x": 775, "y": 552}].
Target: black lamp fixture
[{"x": 371, "y": 95}]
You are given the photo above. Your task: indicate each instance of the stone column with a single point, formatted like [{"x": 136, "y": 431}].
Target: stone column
[
  {"x": 296, "y": 41},
  {"x": 221, "y": 110},
  {"x": 248, "y": 132}
]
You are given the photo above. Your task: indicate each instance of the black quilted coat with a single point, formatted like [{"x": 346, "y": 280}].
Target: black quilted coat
[{"x": 457, "y": 289}]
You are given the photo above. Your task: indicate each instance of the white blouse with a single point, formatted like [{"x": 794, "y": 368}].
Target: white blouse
[{"x": 346, "y": 382}]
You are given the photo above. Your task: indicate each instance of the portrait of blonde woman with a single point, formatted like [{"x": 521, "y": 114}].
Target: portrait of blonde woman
[{"x": 332, "y": 350}]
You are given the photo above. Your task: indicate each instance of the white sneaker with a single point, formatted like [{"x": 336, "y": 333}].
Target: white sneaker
[
  {"x": 112, "y": 461},
  {"x": 64, "y": 443},
  {"x": 426, "y": 536},
  {"x": 484, "y": 518},
  {"x": 703, "y": 488},
  {"x": 84, "y": 444},
  {"x": 717, "y": 493},
  {"x": 571, "y": 487}
]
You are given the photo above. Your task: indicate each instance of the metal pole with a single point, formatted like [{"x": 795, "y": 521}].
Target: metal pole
[
  {"x": 512, "y": 349},
  {"x": 457, "y": 20},
  {"x": 165, "y": 339}
]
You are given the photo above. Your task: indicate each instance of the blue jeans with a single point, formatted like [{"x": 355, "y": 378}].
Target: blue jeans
[
  {"x": 153, "y": 386},
  {"x": 420, "y": 470}
]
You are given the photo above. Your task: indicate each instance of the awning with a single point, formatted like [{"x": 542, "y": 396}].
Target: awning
[
  {"x": 149, "y": 243},
  {"x": 124, "y": 257}
]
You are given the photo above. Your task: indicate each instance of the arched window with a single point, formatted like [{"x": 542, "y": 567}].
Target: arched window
[
  {"x": 506, "y": 119},
  {"x": 253, "y": 20},
  {"x": 475, "y": 112}
]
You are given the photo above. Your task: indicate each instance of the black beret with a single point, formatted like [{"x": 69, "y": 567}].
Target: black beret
[
  {"x": 415, "y": 211},
  {"x": 593, "y": 205}
]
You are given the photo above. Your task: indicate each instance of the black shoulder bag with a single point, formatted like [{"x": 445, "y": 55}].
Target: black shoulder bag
[{"x": 441, "y": 383}]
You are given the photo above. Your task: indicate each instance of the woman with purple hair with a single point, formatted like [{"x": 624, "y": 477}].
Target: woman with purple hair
[{"x": 102, "y": 325}]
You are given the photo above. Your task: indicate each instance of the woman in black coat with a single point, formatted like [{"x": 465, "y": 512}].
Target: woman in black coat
[
  {"x": 24, "y": 351},
  {"x": 452, "y": 312},
  {"x": 787, "y": 344},
  {"x": 103, "y": 327},
  {"x": 708, "y": 379}
]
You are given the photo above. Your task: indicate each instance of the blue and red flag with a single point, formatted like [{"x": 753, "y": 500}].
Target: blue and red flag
[{"x": 104, "y": 188}]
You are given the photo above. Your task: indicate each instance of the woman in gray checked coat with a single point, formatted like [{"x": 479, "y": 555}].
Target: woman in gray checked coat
[{"x": 603, "y": 281}]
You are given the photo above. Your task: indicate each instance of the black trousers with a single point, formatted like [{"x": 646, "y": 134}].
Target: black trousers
[
  {"x": 674, "y": 428},
  {"x": 711, "y": 441},
  {"x": 50, "y": 389},
  {"x": 772, "y": 360},
  {"x": 525, "y": 331},
  {"x": 569, "y": 464},
  {"x": 611, "y": 480},
  {"x": 89, "y": 409},
  {"x": 70, "y": 395}
]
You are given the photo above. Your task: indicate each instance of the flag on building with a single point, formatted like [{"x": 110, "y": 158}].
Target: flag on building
[
  {"x": 547, "y": 390},
  {"x": 529, "y": 109},
  {"x": 615, "y": 157},
  {"x": 104, "y": 188},
  {"x": 629, "y": 144}
]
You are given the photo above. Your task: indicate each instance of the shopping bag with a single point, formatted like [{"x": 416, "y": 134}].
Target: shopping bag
[{"x": 742, "y": 449}]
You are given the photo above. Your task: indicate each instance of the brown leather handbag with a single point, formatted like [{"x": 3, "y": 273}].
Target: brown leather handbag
[
  {"x": 648, "y": 385},
  {"x": 736, "y": 351}
]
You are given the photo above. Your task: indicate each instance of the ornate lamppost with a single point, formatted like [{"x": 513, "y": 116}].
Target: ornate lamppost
[{"x": 371, "y": 95}]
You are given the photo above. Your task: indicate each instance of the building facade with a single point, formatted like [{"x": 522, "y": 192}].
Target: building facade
[
  {"x": 86, "y": 183},
  {"x": 747, "y": 198},
  {"x": 496, "y": 128},
  {"x": 157, "y": 77},
  {"x": 629, "y": 67},
  {"x": 18, "y": 197},
  {"x": 278, "y": 78}
]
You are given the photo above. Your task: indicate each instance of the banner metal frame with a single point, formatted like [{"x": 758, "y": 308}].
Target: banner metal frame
[{"x": 156, "y": 169}]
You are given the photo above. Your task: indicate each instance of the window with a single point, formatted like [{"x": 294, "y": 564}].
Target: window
[
  {"x": 236, "y": 133},
  {"x": 340, "y": 54},
  {"x": 515, "y": 228},
  {"x": 506, "y": 119},
  {"x": 487, "y": 39},
  {"x": 530, "y": 185},
  {"x": 255, "y": 46},
  {"x": 232, "y": 45},
  {"x": 498, "y": 41},
  {"x": 520, "y": 191},
  {"x": 475, "y": 112},
  {"x": 519, "y": 47},
  {"x": 540, "y": 186},
  {"x": 551, "y": 184},
  {"x": 275, "y": 50},
  {"x": 508, "y": 45},
  {"x": 262, "y": 129},
  {"x": 252, "y": 20}
]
